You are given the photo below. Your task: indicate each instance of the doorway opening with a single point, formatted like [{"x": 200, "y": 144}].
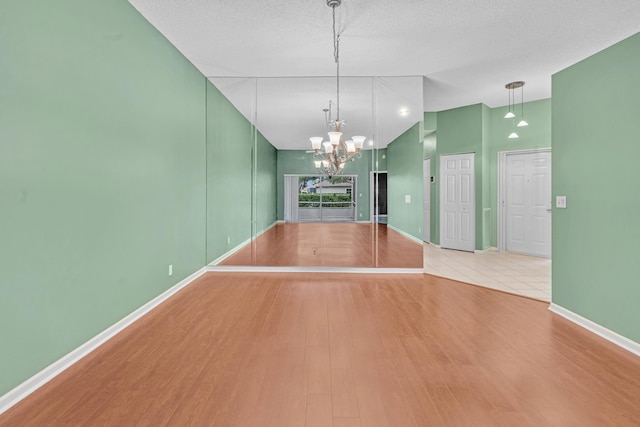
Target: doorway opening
[
  {"x": 378, "y": 190},
  {"x": 317, "y": 198},
  {"x": 426, "y": 197}
]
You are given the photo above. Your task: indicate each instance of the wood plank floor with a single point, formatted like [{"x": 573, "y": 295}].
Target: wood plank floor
[
  {"x": 255, "y": 349},
  {"x": 330, "y": 245}
]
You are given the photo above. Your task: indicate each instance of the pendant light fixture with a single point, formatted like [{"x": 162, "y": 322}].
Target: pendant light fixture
[
  {"x": 509, "y": 114},
  {"x": 511, "y": 87},
  {"x": 522, "y": 121},
  {"x": 336, "y": 151}
]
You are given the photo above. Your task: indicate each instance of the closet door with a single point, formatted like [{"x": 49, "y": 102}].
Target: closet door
[{"x": 457, "y": 202}]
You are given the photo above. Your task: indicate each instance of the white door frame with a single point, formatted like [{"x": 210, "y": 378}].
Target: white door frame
[
  {"x": 502, "y": 190},
  {"x": 426, "y": 191}
]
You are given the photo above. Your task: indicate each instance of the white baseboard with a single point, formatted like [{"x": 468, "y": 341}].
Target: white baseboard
[
  {"x": 47, "y": 374},
  {"x": 597, "y": 329},
  {"x": 229, "y": 253},
  {"x": 311, "y": 269},
  {"x": 240, "y": 246},
  {"x": 273, "y": 224},
  {"x": 485, "y": 250},
  {"x": 405, "y": 234}
]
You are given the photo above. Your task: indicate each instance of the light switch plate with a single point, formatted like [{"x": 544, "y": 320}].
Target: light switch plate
[
  {"x": 561, "y": 202},
  {"x": 407, "y": 198}
]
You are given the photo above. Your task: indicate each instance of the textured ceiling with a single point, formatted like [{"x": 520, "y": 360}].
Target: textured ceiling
[{"x": 463, "y": 51}]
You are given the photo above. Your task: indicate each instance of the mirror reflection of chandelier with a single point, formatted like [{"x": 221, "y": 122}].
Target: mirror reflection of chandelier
[{"x": 331, "y": 156}]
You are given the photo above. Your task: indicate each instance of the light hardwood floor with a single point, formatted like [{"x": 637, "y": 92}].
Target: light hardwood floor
[
  {"x": 256, "y": 349},
  {"x": 345, "y": 244}
]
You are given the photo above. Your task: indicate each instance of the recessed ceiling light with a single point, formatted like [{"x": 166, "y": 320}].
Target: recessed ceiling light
[
  {"x": 371, "y": 143},
  {"x": 404, "y": 111}
]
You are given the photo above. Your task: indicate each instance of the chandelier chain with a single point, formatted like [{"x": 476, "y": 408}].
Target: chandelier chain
[
  {"x": 331, "y": 156},
  {"x": 336, "y": 56}
]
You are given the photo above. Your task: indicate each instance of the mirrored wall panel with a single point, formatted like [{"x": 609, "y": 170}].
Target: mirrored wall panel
[{"x": 299, "y": 174}]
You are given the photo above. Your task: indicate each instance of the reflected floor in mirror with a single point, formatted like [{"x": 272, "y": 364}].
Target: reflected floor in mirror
[{"x": 330, "y": 245}]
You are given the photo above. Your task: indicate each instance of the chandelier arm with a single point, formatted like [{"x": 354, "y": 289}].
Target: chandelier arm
[
  {"x": 344, "y": 147},
  {"x": 353, "y": 156}
]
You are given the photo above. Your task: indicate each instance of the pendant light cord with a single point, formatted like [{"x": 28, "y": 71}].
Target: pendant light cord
[{"x": 513, "y": 101}]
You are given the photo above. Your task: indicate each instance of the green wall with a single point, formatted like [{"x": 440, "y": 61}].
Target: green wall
[
  {"x": 485, "y": 215},
  {"x": 460, "y": 130},
  {"x": 595, "y": 130},
  {"x": 233, "y": 147},
  {"x": 430, "y": 144},
  {"x": 266, "y": 190},
  {"x": 294, "y": 162},
  {"x": 102, "y": 174},
  {"x": 117, "y": 159},
  {"x": 404, "y": 164},
  {"x": 229, "y": 157},
  {"x": 430, "y": 121}
]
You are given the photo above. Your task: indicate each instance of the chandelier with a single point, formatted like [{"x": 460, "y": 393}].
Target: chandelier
[{"x": 331, "y": 156}]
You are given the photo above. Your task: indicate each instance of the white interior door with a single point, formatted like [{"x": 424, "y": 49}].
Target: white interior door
[
  {"x": 426, "y": 172},
  {"x": 457, "y": 202},
  {"x": 528, "y": 203}
]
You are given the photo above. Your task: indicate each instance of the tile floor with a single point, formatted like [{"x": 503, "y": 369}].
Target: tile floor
[{"x": 518, "y": 274}]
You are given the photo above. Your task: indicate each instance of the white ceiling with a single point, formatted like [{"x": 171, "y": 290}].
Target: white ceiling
[
  {"x": 457, "y": 52},
  {"x": 287, "y": 111}
]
